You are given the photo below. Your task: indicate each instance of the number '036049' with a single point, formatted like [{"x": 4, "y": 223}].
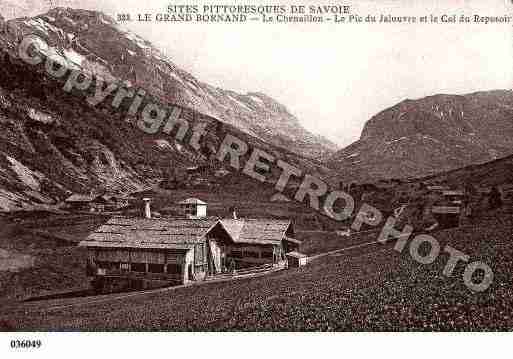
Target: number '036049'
[{"x": 26, "y": 344}]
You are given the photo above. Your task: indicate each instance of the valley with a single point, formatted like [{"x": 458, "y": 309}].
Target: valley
[{"x": 66, "y": 155}]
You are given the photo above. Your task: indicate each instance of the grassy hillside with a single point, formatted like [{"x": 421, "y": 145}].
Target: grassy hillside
[
  {"x": 380, "y": 290},
  {"x": 57, "y": 263}
]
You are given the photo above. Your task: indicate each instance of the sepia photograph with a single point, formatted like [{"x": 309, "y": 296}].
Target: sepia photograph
[{"x": 252, "y": 168}]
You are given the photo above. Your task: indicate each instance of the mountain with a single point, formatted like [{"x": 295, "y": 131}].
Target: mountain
[
  {"x": 52, "y": 143},
  {"x": 124, "y": 55},
  {"x": 417, "y": 138}
]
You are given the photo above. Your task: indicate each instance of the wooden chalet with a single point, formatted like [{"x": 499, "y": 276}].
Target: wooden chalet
[
  {"x": 83, "y": 202},
  {"x": 296, "y": 259},
  {"x": 144, "y": 252},
  {"x": 250, "y": 242},
  {"x": 147, "y": 252},
  {"x": 96, "y": 203}
]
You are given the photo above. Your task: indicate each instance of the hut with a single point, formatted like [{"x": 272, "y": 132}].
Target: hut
[
  {"x": 296, "y": 259},
  {"x": 193, "y": 208},
  {"x": 448, "y": 210}
]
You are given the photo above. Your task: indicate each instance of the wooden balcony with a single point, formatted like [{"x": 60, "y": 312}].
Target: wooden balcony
[{"x": 101, "y": 272}]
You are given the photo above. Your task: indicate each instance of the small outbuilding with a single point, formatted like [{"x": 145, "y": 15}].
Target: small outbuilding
[
  {"x": 279, "y": 197},
  {"x": 296, "y": 259},
  {"x": 193, "y": 208}
]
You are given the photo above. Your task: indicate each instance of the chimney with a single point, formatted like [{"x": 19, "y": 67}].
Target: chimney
[
  {"x": 234, "y": 212},
  {"x": 147, "y": 209}
]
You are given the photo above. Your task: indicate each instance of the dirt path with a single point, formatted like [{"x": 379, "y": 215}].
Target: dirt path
[{"x": 60, "y": 304}]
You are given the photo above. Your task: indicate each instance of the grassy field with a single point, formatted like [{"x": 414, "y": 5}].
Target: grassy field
[
  {"x": 58, "y": 264},
  {"x": 377, "y": 289},
  {"x": 49, "y": 240},
  {"x": 314, "y": 242}
]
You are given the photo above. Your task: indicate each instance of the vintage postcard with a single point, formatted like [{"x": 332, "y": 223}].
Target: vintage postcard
[{"x": 254, "y": 166}]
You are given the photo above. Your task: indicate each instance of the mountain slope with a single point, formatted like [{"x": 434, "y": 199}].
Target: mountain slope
[
  {"x": 430, "y": 135},
  {"x": 120, "y": 54},
  {"x": 53, "y": 143}
]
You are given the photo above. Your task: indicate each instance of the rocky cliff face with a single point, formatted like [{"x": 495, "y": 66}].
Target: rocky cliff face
[
  {"x": 97, "y": 43},
  {"x": 430, "y": 135},
  {"x": 53, "y": 143}
]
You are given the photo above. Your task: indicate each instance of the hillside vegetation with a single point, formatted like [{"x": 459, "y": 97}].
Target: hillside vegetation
[{"x": 381, "y": 290}]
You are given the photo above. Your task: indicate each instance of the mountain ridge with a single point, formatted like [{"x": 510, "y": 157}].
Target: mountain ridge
[
  {"x": 457, "y": 130},
  {"x": 124, "y": 55},
  {"x": 53, "y": 143}
]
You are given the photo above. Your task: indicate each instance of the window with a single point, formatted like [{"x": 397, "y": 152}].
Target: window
[
  {"x": 108, "y": 265},
  {"x": 267, "y": 254},
  {"x": 251, "y": 254},
  {"x": 139, "y": 267},
  {"x": 199, "y": 253},
  {"x": 236, "y": 254},
  {"x": 156, "y": 268},
  {"x": 174, "y": 269},
  {"x": 124, "y": 266}
]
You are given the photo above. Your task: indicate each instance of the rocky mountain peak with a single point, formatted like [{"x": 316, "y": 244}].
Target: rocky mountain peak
[{"x": 433, "y": 134}]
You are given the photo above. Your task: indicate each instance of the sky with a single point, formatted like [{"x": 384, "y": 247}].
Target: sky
[{"x": 335, "y": 77}]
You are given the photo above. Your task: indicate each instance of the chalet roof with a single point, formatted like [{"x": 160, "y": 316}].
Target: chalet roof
[
  {"x": 279, "y": 197},
  {"x": 108, "y": 197},
  {"x": 293, "y": 240},
  {"x": 192, "y": 201},
  {"x": 256, "y": 231},
  {"x": 453, "y": 192},
  {"x": 296, "y": 254},
  {"x": 163, "y": 233},
  {"x": 81, "y": 198}
]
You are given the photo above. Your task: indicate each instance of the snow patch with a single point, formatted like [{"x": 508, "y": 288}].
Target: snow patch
[
  {"x": 74, "y": 56},
  {"x": 396, "y": 140},
  {"x": 25, "y": 174},
  {"x": 257, "y": 99},
  {"x": 136, "y": 39},
  {"x": 239, "y": 102},
  {"x": 40, "y": 116},
  {"x": 176, "y": 77},
  {"x": 353, "y": 155},
  {"x": 38, "y": 25},
  {"x": 105, "y": 21}
]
